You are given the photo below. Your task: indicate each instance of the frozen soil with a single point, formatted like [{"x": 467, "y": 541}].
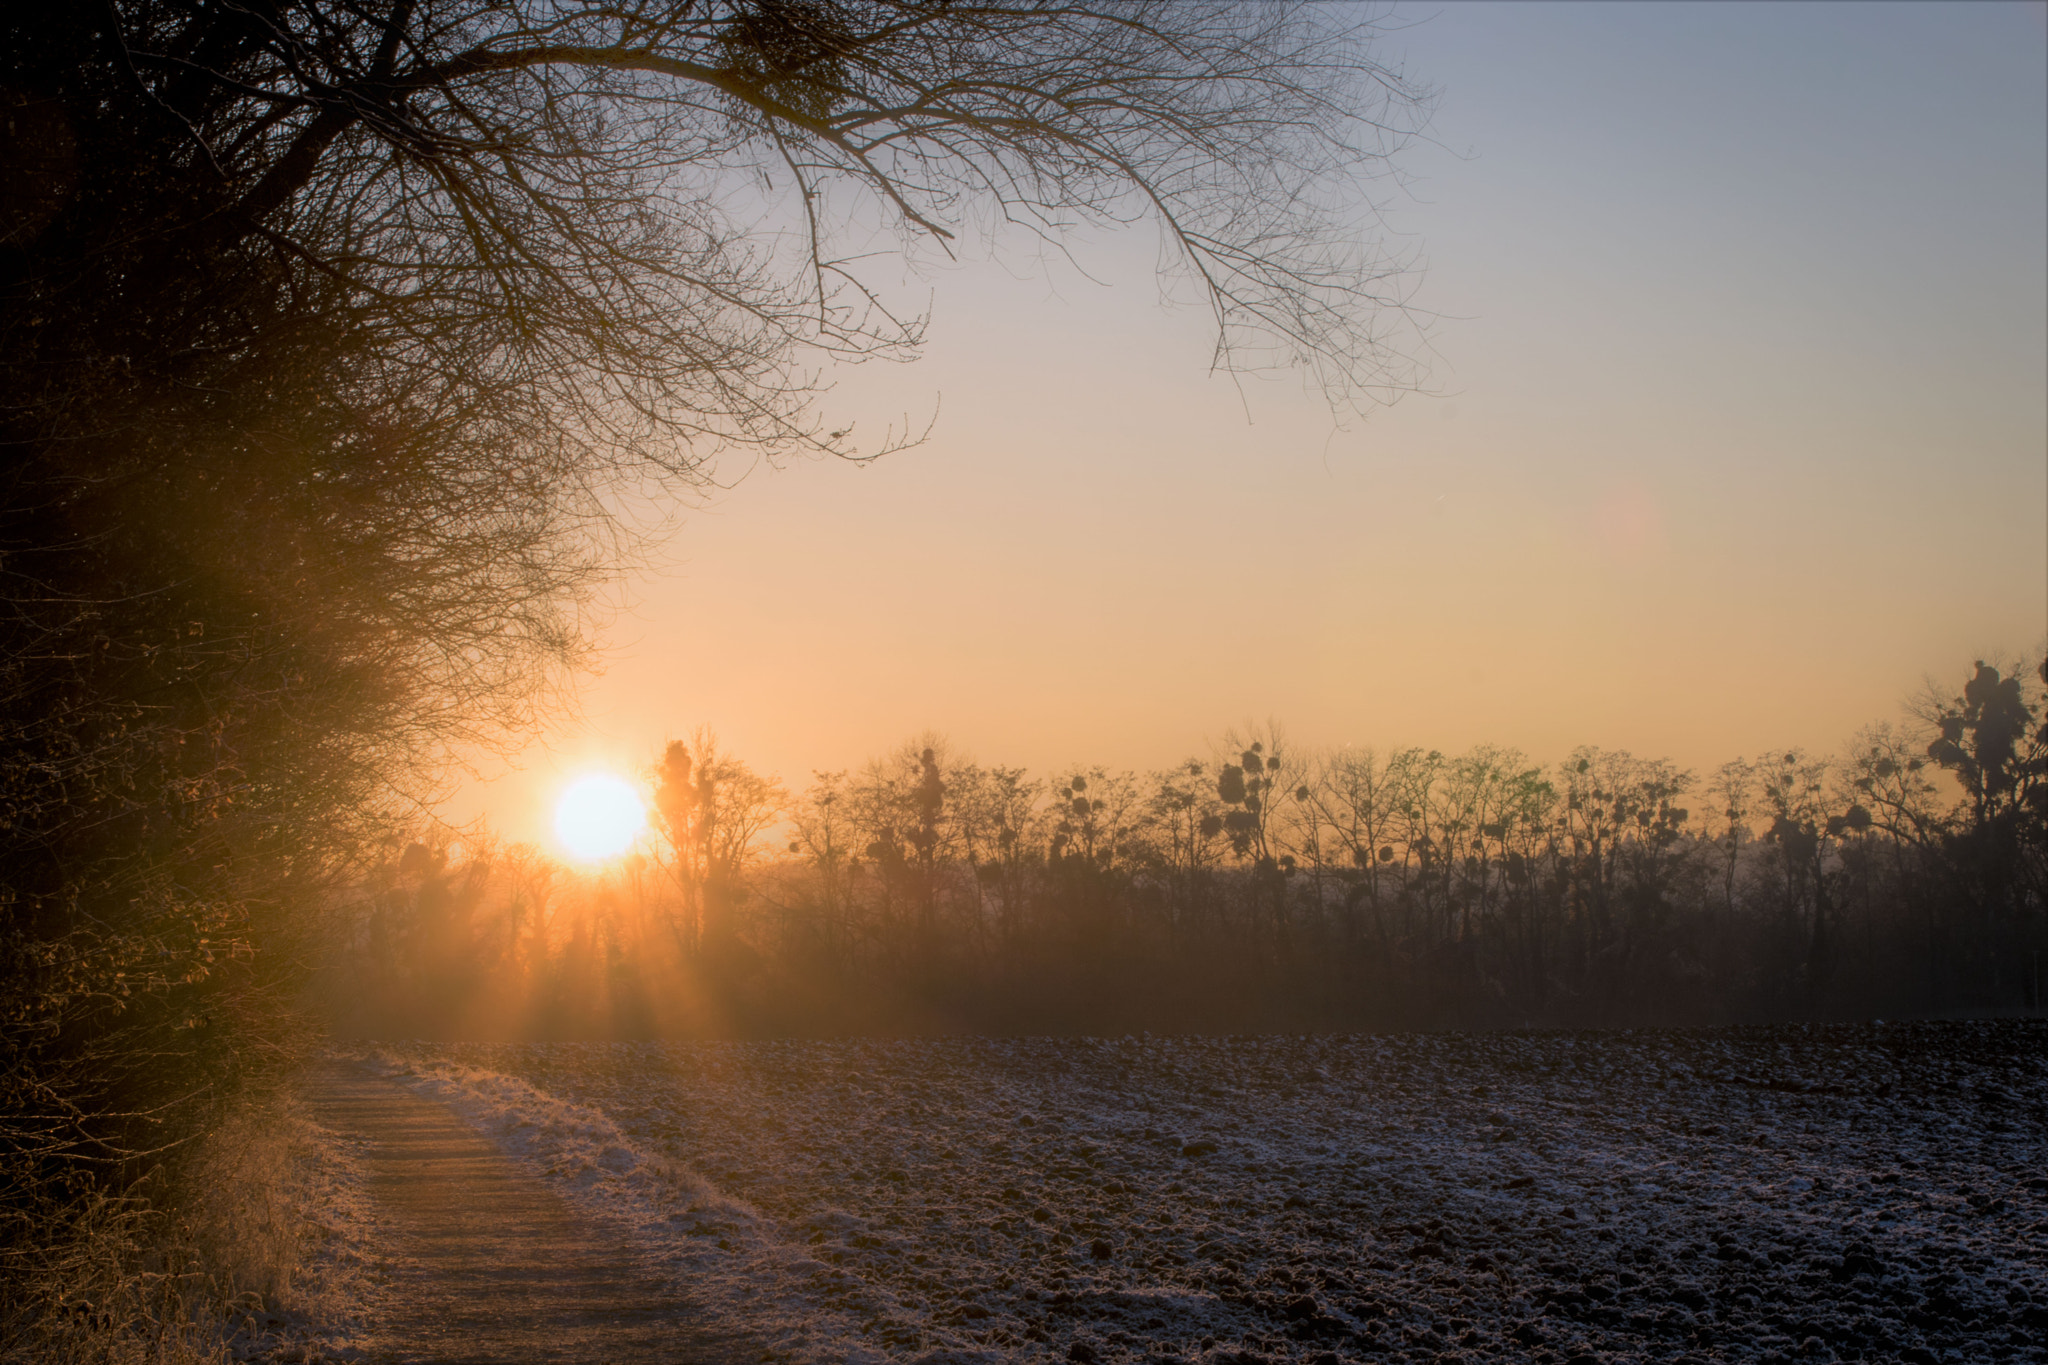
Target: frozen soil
[
  {"x": 1872, "y": 1192},
  {"x": 473, "y": 1261}
]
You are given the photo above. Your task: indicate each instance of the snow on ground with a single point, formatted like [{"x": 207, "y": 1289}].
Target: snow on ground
[
  {"x": 330, "y": 1283},
  {"x": 343, "y": 1277},
  {"x": 1875, "y": 1192}
]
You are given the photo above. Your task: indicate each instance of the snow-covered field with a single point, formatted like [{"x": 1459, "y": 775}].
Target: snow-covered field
[{"x": 1872, "y": 1192}]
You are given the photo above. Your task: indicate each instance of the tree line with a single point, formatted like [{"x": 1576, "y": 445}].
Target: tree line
[
  {"x": 1264, "y": 886},
  {"x": 336, "y": 332}
]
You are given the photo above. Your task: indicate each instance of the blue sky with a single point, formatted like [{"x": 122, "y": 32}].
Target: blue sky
[{"x": 1739, "y": 430}]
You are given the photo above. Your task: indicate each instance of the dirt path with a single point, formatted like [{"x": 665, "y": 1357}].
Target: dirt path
[{"x": 487, "y": 1265}]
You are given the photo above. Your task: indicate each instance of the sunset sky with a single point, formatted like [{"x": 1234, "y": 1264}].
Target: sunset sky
[{"x": 1739, "y": 430}]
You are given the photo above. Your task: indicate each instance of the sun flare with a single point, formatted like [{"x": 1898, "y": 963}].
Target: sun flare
[{"x": 599, "y": 817}]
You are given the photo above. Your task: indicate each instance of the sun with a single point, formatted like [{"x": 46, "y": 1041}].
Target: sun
[{"x": 599, "y": 817}]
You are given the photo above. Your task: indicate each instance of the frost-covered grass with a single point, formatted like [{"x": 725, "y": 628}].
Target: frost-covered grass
[{"x": 1870, "y": 1192}]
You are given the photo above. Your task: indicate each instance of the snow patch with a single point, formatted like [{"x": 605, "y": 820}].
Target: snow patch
[{"x": 1642, "y": 1195}]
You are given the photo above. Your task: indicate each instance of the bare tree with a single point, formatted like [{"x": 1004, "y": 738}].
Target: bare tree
[
  {"x": 711, "y": 811},
  {"x": 338, "y": 332},
  {"x": 566, "y": 177},
  {"x": 1352, "y": 792},
  {"x": 424, "y": 285}
]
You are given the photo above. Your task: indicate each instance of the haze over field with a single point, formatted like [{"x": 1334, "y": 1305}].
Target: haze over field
[{"x": 1737, "y": 433}]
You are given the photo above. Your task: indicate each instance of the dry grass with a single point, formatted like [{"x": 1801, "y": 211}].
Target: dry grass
[
  {"x": 112, "y": 1291},
  {"x": 223, "y": 1264}
]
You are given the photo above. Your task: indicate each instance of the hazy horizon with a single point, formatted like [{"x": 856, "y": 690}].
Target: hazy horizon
[{"x": 1736, "y": 433}]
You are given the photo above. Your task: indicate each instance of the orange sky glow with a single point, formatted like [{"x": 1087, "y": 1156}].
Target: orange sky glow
[{"x": 1738, "y": 431}]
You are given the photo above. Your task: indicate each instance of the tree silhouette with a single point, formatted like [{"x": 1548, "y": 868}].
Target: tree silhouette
[
  {"x": 1095, "y": 900},
  {"x": 336, "y": 334}
]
